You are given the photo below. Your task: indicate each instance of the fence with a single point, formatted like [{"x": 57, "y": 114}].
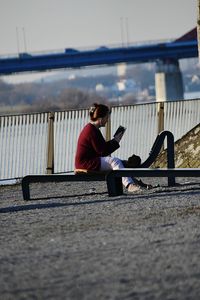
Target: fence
[
  {"x": 23, "y": 141},
  {"x": 44, "y": 142}
]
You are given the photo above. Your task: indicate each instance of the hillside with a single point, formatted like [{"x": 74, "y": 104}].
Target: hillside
[{"x": 187, "y": 151}]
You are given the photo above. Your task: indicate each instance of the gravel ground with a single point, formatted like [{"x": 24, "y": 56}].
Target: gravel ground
[{"x": 74, "y": 242}]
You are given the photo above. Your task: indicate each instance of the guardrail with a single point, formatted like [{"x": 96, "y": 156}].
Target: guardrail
[{"x": 46, "y": 142}]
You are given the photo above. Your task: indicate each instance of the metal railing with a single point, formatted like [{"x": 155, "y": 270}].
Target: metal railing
[
  {"x": 46, "y": 142},
  {"x": 23, "y": 144}
]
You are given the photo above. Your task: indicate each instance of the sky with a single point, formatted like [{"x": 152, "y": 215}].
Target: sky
[
  {"x": 47, "y": 25},
  {"x": 40, "y": 25}
]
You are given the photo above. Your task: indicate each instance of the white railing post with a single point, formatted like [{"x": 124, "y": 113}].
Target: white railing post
[
  {"x": 108, "y": 130},
  {"x": 50, "y": 144}
]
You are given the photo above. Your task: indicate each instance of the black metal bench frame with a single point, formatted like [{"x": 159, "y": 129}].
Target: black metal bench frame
[
  {"x": 27, "y": 180},
  {"x": 114, "y": 185},
  {"x": 115, "y": 177},
  {"x": 102, "y": 177}
]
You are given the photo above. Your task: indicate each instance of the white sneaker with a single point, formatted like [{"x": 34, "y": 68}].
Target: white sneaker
[{"x": 133, "y": 188}]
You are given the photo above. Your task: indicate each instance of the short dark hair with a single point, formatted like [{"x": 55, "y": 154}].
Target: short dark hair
[{"x": 98, "y": 111}]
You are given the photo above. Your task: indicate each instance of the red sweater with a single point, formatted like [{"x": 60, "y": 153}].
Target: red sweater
[{"x": 91, "y": 146}]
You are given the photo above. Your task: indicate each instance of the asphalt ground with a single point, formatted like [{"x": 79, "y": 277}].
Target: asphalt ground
[{"x": 72, "y": 241}]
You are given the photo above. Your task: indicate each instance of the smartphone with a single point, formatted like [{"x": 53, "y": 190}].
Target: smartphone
[{"x": 120, "y": 129}]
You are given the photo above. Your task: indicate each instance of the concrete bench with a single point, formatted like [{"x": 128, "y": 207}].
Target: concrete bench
[{"x": 115, "y": 188}]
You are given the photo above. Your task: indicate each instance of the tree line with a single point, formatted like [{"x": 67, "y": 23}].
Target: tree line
[{"x": 80, "y": 91}]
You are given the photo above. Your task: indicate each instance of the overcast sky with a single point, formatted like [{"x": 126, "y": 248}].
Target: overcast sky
[{"x": 37, "y": 25}]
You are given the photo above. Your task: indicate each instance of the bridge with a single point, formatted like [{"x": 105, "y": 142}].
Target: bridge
[{"x": 166, "y": 55}]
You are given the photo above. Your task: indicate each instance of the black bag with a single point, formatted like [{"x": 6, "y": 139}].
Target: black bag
[{"x": 133, "y": 161}]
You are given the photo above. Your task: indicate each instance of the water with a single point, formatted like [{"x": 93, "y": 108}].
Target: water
[{"x": 191, "y": 95}]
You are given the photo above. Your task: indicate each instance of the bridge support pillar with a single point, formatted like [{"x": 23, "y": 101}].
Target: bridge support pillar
[{"x": 168, "y": 81}]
